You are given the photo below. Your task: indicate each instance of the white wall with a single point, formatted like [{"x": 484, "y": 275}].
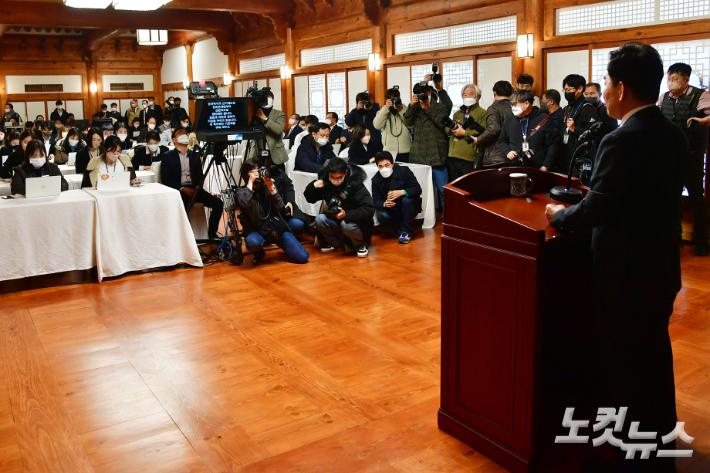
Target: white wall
[
  {"x": 16, "y": 84},
  {"x": 560, "y": 65},
  {"x": 174, "y": 65},
  {"x": 76, "y": 107},
  {"x": 145, "y": 79},
  {"x": 208, "y": 62},
  {"x": 301, "y": 87},
  {"x": 489, "y": 71},
  {"x": 275, "y": 85},
  {"x": 400, "y": 76},
  {"x": 34, "y": 109},
  {"x": 357, "y": 82},
  {"x": 238, "y": 92}
]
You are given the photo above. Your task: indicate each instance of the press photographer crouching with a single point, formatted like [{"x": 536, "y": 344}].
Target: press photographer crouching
[
  {"x": 260, "y": 211},
  {"x": 397, "y": 195},
  {"x": 531, "y": 140},
  {"x": 315, "y": 149},
  {"x": 350, "y": 208}
]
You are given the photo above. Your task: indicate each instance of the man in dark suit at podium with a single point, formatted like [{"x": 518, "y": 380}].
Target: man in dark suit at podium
[{"x": 632, "y": 205}]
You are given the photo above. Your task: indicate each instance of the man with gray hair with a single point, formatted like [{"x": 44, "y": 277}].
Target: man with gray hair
[{"x": 469, "y": 122}]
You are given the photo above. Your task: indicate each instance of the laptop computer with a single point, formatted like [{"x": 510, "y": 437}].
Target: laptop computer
[
  {"x": 114, "y": 181},
  {"x": 43, "y": 186},
  {"x": 71, "y": 161}
]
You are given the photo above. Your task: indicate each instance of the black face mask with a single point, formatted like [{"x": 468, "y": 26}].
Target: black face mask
[
  {"x": 593, "y": 100},
  {"x": 570, "y": 96}
]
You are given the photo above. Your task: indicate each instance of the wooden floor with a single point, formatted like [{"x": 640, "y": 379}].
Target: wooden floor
[{"x": 330, "y": 367}]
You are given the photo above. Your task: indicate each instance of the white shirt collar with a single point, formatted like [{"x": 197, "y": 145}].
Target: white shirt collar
[{"x": 634, "y": 111}]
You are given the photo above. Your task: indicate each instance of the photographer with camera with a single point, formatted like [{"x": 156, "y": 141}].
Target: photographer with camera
[
  {"x": 390, "y": 121},
  {"x": 350, "y": 208},
  {"x": 397, "y": 196},
  {"x": 315, "y": 149},
  {"x": 364, "y": 114},
  {"x": 273, "y": 121},
  {"x": 260, "y": 207},
  {"x": 436, "y": 81},
  {"x": 497, "y": 114},
  {"x": 469, "y": 121},
  {"x": 532, "y": 138},
  {"x": 430, "y": 145}
]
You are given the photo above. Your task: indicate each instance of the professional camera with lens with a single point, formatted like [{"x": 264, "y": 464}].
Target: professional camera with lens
[
  {"x": 396, "y": 101},
  {"x": 261, "y": 95},
  {"x": 367, "y": 100},
  {"x": 418, "y": 90},
  {"x": 335, "y": 204},
  {"x": 268, "y": 172},
  {"x": 469, "y": 124}
]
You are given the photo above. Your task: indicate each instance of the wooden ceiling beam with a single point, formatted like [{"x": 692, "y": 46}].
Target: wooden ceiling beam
[
  {"x": 259, "y": 7},
  {"x": 181, "y": 38},
  {"x": 57, "y": 15},
  {"x": 94, "y": 38}
]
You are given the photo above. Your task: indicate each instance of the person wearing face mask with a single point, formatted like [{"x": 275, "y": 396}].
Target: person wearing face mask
[
  {"x": 184, "y": 123},
  {"x": 273, "y": 121},
  {"x": 178, "y": 111},
  {"x": 93, "y": 149},
  {"x": 151, "y": 126},
  {"x": 182, "y": 170},
  {"x": 351, "y": 222},
  {"x": 261, "y": 215},
  {"x": 71, "y": 144},
  {"x": 59, "y": 114},
  {"x": 18, "y": 155},
  {"x": 315, "y": 150},
  {"x": 122, "y": 132},
  {"x": 114, "y": 113},
  {"x": 390, "y": 121},
  {"x": 152, "y": 152},
  {"x": 133, "y": 112},
  {"x": 437, "y": 82},
  {"x": 144, "y": 115},
  {"x": 496, "y": 116},
  {"x": 154, "y": 110},
  {"x": 593, "y": 95},
  {"x": 336, "y": 130},
  {"x": 311, "y": 121},
  {"x": 106, "y": 130},
  {"x": 363, "y": 149},
  {"x": 135, "y": 131},
  {"x": 10, "y": 116},
  {"x": 103, "y": 113},
  {"x": 551, "y": 102},
  {"x": 397, "y": 196},
  {"x": 365, "y": 115},
  {"x": 577, "y": 117},
  {"x": 294, "y": 129},
  {"x": 431, "y": 144},
  {"x": 11, "y": 142},
  {"x": 44, "y": 132},
  {"x": 531, "y": 138},
  {"x": 525, "y": 82},
  {"x": 462, "y": 154},
  {"x": 110, "y": 161},
  {"x": 34, "y": 165},
  {"x": 689, "y": 108}
]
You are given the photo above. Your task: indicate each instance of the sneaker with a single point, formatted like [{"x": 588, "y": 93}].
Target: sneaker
[
  {"x": 327, "y": 249},
  {"x": 702, "y": 249},
  {"x": 362, "y": 252},
  {"x": 258, "y": 258},
  {"x": 405, "y": 238}
]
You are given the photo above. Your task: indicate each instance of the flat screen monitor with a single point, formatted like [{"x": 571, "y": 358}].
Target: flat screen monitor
[{"x": 225, "y": 119}]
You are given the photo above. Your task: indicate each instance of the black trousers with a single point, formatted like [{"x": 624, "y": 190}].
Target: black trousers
[
  {"x": 460, "y": 167},
  {"x": 213, "y": 203},
  {"x": 402, "y": 158},
  {"x": 696, "y": 196}
]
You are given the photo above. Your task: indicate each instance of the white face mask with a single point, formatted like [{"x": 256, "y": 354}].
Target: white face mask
[
  {"x": 111, "y": 157},
  {"x": 185, "y": 124},
  {"x": 183, "y": 139},
  {"x": 269, "y": 102},
  {"x": 122, "y": 136},
  {"x": 38, "y": 162},
  {"x": 365, "y": 139},
  {"x": 73, "y": 142},
  {"x": 322, "y": 141},
  {"x": 150, "y": 103},
  {"x": 59, "y": 107},
  {"x": 386, "y": 172},
  {"x": 469, "y": 102},
  {"x": 64, "y": 134},
  {"x": 292, "y": 121},
  {"x": 144, "y": 106},
  {"x": 7, "y": 110},
  {"x": 166, "y": 123},
  {"x": 2, "y": 136},
  {"x": 517, "y": 110},
  {"x": 151, "y": 126},
  {"x": 153, "y": 148},
  {"x": 114, "y": 109}
]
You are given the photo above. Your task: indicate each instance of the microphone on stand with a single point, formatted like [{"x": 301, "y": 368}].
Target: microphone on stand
[{"x": 564, "y": 194}]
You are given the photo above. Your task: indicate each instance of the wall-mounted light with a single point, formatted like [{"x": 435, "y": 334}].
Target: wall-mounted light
[
  {"x": 93, "y": 87},
  {"x": 152, "y": 37},
  {"x": 228, "y": 78},
  {"x": 526, "y": 46},
  {"x": 285, "y": 72},
  {"x": 186, "y": 83},
  {"x": 373, "y": 62}
]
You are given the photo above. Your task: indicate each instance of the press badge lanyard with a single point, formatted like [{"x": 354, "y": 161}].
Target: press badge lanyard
[
  {"x": 319, "y": 152},
  {"x": 567, "y": 117},
  {"x": 114, "y": 166},
  {"x": 526, "y": 146}
]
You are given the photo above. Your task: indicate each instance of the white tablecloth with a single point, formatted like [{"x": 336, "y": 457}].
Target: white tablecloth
[
  {"x": 5, "y": 187},
  {"x": 66, "y": 169},
  {"x": 142, "y": 228},
  {"x": 215, "y": 180},
  {"x": 47, "y": 235},
  {"x": 74, "y": 180},
  {"x": 423, "y": 174}
]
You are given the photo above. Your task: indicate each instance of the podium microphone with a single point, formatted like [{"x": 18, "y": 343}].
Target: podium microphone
[{"x": 573, "y": 196}]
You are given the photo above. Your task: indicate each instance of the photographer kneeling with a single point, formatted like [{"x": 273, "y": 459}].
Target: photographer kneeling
[
  {"x": 260, "y": 206},
  {"x": 350, "y": 207},
  {"x": 397, "y": 196}
]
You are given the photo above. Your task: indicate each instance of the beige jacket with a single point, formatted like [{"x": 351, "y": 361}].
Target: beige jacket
[{"x": 93, "y": 169}]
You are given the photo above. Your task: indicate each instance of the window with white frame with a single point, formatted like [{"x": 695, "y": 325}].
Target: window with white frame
[
  {"x": 625, "y": 14},
  {"x": 499, "y": 30},
  {"x": 266, "y": 63},
  {"x": 316, "y": 96},
  {"x": 337, "y": 94},
  {"x": 419, "y": 72},
  {"x": 339, "y": 53}
]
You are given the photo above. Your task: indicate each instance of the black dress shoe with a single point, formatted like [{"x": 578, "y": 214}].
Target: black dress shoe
[
  {"x": 258, "y": 258},
  {"x": 702, "y": 249}
]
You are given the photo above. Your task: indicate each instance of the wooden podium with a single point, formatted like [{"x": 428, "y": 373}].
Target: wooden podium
[{"x": 512, "y": 314}]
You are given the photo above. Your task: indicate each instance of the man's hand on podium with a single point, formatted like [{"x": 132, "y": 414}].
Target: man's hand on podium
[{"x": 551, "y": 210}]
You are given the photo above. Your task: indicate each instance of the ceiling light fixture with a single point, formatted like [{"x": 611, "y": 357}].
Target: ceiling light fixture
[
  {"x": 95, "y": 4},
  {"x": 152, "y": 37},
  {"x": 139, "y": 5}
]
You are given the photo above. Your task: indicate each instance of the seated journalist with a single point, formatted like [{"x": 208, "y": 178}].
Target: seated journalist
[{"x": 35, "y": 165}]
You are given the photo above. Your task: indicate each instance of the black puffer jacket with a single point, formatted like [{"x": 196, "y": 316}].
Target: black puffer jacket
[
  {"x": 358, "y": 204},
  {"x": 496, "y": 115}
]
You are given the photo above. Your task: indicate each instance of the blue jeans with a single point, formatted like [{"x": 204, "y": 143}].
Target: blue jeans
[
  {"x": 296, "y": 225},
  {"x": 293, "y": 249},
  {"x": 401, "y": 216},
  {"x": 332, "y": 230},
  {"x": 441, "y": 178}
]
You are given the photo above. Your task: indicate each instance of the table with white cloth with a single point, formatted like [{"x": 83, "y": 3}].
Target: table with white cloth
[
  {"x": 421, "y": 172},
  {"x": 75, "y": 180},
  {"x": 47, "y": 235},
  {"x": 66, "y": 169},
  {"x": 142, "y": 228},
  {"x": 5, "y": 187}
]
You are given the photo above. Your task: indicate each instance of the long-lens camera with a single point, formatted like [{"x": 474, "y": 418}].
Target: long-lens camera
[
  {"x": 397, "y": 101},
  {"x": 367, "y": 101},
  {"x": 261, "y": 95},
  {"x": 335, "y": 204},
  {"x": 418, "y": 90}
]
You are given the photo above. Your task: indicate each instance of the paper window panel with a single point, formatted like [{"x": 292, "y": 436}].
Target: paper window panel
[
  {"x": 249, "y": 65},
  {"x": 456, "y": 75},
  {"x": 679, "y": 10},
  {"x": 273, "y": 62},
  {"x": 337, "y": 95},
  {"x": 600, "y": 61},
  {"x": 418, "y": 73},
  {"x": 421, "y": 41},
  {"x": 310, "y": 57},
  {"x": 353, "y": 51},
  {"x": 484, "y": 32},
  {"x": 316, "y": 96}
]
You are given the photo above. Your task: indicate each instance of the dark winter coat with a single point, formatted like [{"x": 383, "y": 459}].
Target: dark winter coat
[
  {"x": 430, "y": 145},
  {"x": 544, "y": 143},
  {"x": 496, "y": 115}
]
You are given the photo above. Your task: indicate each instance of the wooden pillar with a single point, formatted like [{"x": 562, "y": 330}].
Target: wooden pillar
[
  {"x": 189, "y": 48},
  {"x": 379, "y": 86},
  {"x": 92, "y": 75},
  {"x": 232, "y": 64},
  {"x": 287, "y": 91},
  {"x": 158, "y": 78},
  {"x": 535, "y": 24}
]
